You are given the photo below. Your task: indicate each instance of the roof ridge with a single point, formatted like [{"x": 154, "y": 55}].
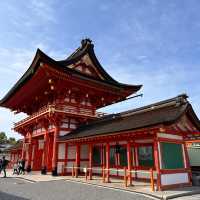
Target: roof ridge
[
  {"x": 84, "y": 44},
  {"x": 178, "y": 100}
]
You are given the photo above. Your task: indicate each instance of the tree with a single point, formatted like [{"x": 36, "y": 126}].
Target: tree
[
  {"x": 11, "y": 140},
  {"x": 3, "y": 138}
]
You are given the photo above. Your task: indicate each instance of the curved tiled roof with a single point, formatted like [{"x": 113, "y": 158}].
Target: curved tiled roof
[
  {"x": 164, "y": 112},
  {"x": 86, "y": 47}
]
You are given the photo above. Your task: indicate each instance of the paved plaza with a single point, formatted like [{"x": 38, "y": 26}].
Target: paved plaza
[
  {"x": 193, "y": 197},
  {"x": 36, "y": 186},
  {"x": 16, "y": 189}
]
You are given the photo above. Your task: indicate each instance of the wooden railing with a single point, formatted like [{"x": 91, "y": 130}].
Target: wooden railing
[
  {"x": 42, "y": 111},
  {"x": 68, "y": 109}
]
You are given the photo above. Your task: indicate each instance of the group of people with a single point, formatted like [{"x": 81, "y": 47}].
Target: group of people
[{"x": 19, "y": 167}]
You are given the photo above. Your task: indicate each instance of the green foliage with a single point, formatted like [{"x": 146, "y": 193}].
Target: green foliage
[
  {"x": 11, "y": 140},
  {"x": 3, "y": 138}
]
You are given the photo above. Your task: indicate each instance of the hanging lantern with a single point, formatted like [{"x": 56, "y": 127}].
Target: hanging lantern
[
  {"x": 52, "y": 87},
  {"x": 50, "y": 81}
]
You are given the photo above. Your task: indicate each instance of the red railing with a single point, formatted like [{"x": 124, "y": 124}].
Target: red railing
[{"x": 68, "y": 109}]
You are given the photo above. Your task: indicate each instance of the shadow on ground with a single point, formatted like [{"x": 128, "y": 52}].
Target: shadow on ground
[{"x": 6, "y": 196}]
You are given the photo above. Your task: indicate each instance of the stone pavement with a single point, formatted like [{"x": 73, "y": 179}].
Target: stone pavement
[
  {"x": 18, "y": 189},
  {"x": 138, "y": 187},
  {"x": 193, "y": 197}
]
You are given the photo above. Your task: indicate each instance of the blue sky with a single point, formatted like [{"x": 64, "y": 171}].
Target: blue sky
[{"x": 151, "y": 42}]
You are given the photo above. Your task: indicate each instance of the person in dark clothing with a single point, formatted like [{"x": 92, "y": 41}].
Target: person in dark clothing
[
  {"x": 4, "y": 165},
  {"x": 15, "y": 168},
  {"x": 22, "y": 167},
  {"x": 0, "y": 165}
]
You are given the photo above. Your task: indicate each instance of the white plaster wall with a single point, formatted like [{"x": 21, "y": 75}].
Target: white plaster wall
[
  {"x": 69, "y": 164},
  {"x": 97, "y": 170},
  {"x": 64, "y": 125},
  {"x": 83, "y": 164},
  {"x": 121, "y": 172},
  {"x": 71, "y": 153},
  {"x": 61, "y": 151},
  {"x": 122, "y": 142},
  {"x": 84, "y": 151},
  {"x": 144, "y": 141},
  {"x": 139, "y": 174},
  {"x": 169, "y": 136},
  {"x": 113, "y": 171},
  {"x": 61, "y": 133},
  {"x": 194, "y": 156},
  {"x": 144, "y": 174},
  {"x": 51, "y": 126},
  {"x": 168, "y": 179},
  {"x": 60, "y": 166},
  {"x": 40, "y": 144}
]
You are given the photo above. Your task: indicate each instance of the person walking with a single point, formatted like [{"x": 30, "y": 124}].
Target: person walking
[
  {"x": 4, "y": 165},
  {"x": 20, "y": 167},
  {"x": 0, "y": 165},
  {"x": 23, "y": 166},
  {"x": 15, "y": 168}
]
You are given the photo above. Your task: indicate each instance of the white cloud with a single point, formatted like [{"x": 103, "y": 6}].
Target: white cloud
[
  {"x": 13, "y": 63},
  {"x": 160, "y": 84},
  {"x": 43, "y": 9}
]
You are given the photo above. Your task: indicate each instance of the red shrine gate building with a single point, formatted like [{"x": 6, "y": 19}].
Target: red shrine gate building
[{"x": 64, "y": 129}]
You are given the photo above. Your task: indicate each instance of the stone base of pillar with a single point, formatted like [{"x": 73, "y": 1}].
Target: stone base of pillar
[
  {"x": 54, "y": 172},
  {"x": 28, "y": 169},
  {"x": 44, "y": 170}
]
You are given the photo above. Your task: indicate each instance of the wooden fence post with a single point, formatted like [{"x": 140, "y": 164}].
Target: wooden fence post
[
  {"x": 130, "y": 178},
  {"x": 76, "y": 172},
  {"x": 103, "y": 174},
  {"x": 152, "y": 180},
  {"x": 90, "y": 173},
  {"x": 73, "y": 171},
  {"x": 62, "y": 172},
  {"x": 125, "y": 176},
  {"x": 86, "y": 169}
]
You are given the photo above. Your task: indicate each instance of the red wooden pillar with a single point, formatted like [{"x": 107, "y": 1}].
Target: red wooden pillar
[
  {"x": 23, "y": 150},
  {"x": 55, "y": 151},
  {"x": 77, "y": 159},
  {"x": 45, "y": 152},
  {"x": 157, "y": 163},
  {"x": 108, "y": 161},
  {"x": 90, "y": 161},
  {"x": 29, "y": 153},
  {"x": 135, "y": 159},
  {"x": 187, "y": 163},
  {"x": 129, "y": 162}
]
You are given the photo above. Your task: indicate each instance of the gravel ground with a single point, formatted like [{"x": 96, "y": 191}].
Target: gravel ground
[{"x": 15, "y": 189}]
